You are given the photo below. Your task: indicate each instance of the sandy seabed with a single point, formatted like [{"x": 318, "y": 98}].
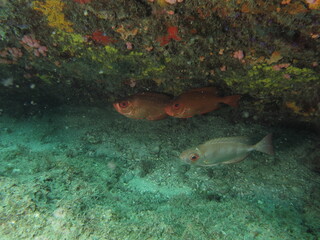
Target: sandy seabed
[{"x": 90, "y": 173}]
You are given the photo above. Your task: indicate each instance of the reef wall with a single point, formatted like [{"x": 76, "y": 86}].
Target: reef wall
[{"x": 52, "y": 51}]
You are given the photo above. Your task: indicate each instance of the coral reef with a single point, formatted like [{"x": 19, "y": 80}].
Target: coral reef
[{"x": 266, "y": 50}]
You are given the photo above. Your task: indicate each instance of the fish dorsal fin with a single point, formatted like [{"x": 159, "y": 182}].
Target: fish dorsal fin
[
  {"x": 211, "y": 90},
  {"x": 243, "y": 140}
]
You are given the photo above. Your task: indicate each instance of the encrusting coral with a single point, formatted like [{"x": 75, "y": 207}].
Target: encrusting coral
[{"x": 53, "y": 10}]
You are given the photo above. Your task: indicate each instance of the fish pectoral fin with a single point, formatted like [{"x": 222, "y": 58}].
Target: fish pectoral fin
[
  {"x": 235, "y": 160},
  {"x": 208, "y": 165},
  {"x": 157, "y": 117}
]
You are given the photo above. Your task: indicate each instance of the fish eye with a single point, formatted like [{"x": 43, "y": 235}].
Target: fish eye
[
  {"x": 123, "y": 104},
  {"x": 194, "y": 157},
  {"x": 176, "y": 106}
]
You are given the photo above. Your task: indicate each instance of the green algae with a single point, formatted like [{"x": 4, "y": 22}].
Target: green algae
[
  {"x": 109, "y": 61},
  {"x": 72, "y": 42},
  {"x": 262, "y": 80},
  {"x": 4, "y": 17}
]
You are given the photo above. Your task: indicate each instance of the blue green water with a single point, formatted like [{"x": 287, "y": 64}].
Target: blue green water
[{"x": 90, "y": 173}]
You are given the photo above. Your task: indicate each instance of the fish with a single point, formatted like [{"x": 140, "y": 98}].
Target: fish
[
  {"x": 225, "y": 151},
  {"x": 199, "y": 101},
  {"x": 144, "y": 105}
]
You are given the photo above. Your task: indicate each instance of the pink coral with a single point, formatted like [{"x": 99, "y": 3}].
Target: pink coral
[
  {"x": 280, "y": 66},
  {"x": 30, "y": 41},
  {"x": 238, "y": 54},
  {"x": 287, "y": 76},
  {"x": 10, "y": 55},
  {"x": 82, "y": 1},
  {"x": 32, "y": 44},
  {"x": 223, "y": 68},
  {"x": 171, "y": 1},
  {"x": 129, "y": 45},
  {"x": 15, "y": 53},
  {"x": 42, "y": 50}
]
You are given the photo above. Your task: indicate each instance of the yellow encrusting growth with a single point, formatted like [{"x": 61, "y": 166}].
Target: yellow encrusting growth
[
  {"x": 162, "y": 3},
  {"x": 314, "y": 4},
  {"x": 299, "y": 110},
  {"x": 53, "y": 10},
  {"x": 72, "y": 42}
]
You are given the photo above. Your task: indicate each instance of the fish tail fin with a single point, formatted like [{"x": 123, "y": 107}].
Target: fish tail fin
[
  {"x": 232, "y": 101},
  {"x": 265, "y": 145}
]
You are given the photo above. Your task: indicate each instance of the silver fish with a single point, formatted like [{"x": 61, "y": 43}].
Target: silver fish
[{"x": 225, "y": 150}]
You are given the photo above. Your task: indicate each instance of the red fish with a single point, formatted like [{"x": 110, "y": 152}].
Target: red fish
[
  {"x": 198, "y": 101},
  {"x": 145, "y": 105}
]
